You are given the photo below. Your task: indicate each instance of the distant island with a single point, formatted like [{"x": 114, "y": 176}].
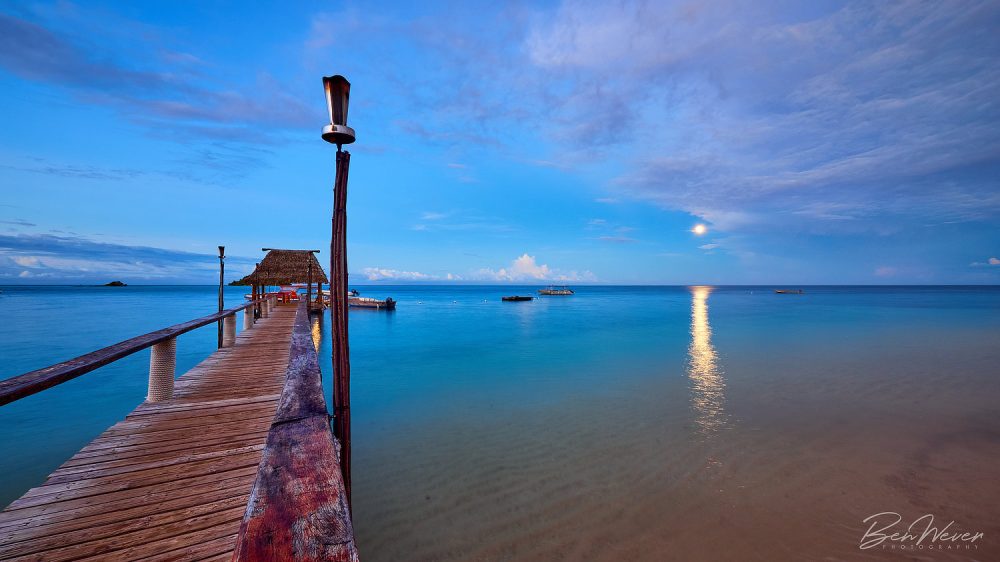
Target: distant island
[{"x": 115, "y": 284}]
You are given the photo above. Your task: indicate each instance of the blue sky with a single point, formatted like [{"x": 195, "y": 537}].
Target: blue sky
[{"x": 820, "y": 142}]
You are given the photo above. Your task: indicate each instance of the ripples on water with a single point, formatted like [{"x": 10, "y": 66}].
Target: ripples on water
[
  {"x": 619, "y": 423},
  {"x": 707, "y": 385}
]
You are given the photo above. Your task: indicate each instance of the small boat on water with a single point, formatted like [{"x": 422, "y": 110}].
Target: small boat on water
[
  {"x": 789, "y": 291},
  {"x": 368, "y": 302},
  {"x": 326, "y": 294},
  {"x": 556, "y": 290},
  {"x": 517, "y": 298}
]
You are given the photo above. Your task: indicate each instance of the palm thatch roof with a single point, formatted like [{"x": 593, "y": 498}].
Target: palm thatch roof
[{"x": 284, "y": 267}]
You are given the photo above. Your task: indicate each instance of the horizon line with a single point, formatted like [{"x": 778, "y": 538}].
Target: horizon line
[{"x": 512, "y": 283}]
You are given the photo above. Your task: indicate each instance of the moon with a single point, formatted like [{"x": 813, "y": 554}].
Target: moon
[{"x": 699, "y": 229}]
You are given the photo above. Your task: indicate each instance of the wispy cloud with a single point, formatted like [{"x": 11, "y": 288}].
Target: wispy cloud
[
  {"x": 164, "y": 96},
  {"x": 18, "y": 222},
  {"x": 987, "y": 263},
  {"x": 870, "y": 112},
  {"x": 834, "y": 117},
  {"x": 74, "y": 259},
  {"x": 617, "y": 239},
  {"x": 46, "y": 167},
  {"x": 382, "y": 274},
  {"x": 454, "y": 221},
  {"x": 610, "y": 232}
]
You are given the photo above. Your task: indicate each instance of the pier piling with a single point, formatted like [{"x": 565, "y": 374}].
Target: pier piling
[
  {"x": 229, "y": 331},
  {"x": 162, "y": 365}
]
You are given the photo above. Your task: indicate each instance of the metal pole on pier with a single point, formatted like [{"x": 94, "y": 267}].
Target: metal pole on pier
[
  {"x": 338, "y": 91},
  {"x": 309, "y": 285},
  {"x": 222, "y": 271},
  {"x": 254, "y": 291}
]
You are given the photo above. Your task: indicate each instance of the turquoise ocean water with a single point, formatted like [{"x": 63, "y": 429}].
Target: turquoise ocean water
[{"x": 615, "y": 394}]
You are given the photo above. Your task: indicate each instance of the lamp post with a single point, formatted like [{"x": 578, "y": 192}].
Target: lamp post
[
  {"x": 222, "y": 270},
  {"x": 338, "y": 94}
]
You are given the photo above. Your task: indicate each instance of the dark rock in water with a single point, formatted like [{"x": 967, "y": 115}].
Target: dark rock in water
[{"x": 115, "y": 284}]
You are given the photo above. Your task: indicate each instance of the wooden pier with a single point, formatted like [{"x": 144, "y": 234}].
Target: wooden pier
[{"x": 238, "y": 463}]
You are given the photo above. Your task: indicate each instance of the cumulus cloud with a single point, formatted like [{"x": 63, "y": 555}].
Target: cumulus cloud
[
  {"x": 527, "y": 268},
  {"x": 987, "y": 263}
]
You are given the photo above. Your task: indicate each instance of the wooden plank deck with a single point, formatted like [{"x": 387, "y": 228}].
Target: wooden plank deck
[{"x": 171, "y": 481}]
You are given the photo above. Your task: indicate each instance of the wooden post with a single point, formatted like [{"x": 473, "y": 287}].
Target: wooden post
[
  {"x": 222, "y": 270},
  {"x": 259, "y": 308},
  {"x": 248, "y": 318},
  {"x": 309, "y": 285},
  {"x": 255, "y": 294},
  {"x": 338, "y": 317},
  {"x": 229, "y": 331},
  {"x": 162, "y": 365}
]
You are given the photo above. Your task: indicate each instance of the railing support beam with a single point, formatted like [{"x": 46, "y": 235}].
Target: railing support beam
[
  {"x": 229, "y": 331},
  {"x": 162, "y": 366},
  {"x": 15, "y": 388}
]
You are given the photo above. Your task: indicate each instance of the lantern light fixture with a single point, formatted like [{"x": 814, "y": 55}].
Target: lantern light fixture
[{"x": 338, "y": 96}]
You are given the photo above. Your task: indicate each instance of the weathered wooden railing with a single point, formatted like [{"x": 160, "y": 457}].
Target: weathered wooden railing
[
  {"x": 162, "y": 358},
  {"x": 298, "y": 506}
]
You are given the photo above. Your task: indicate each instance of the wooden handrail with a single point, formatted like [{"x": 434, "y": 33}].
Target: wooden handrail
[
  {"x": 36, "y": 381},
  {"x": 298, "y": 505}
]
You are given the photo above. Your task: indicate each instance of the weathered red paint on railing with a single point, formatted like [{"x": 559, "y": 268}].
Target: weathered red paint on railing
[{"x": 298, "y": 506}]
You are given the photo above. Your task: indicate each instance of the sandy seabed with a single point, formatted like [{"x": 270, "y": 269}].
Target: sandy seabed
[{"x": 779, "y": 458}]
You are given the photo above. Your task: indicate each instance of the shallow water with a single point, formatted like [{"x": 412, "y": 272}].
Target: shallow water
[{"x": 619, "y": 423}]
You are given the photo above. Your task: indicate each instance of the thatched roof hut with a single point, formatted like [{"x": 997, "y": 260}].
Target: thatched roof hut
[{"x": 284, "y": 267}]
